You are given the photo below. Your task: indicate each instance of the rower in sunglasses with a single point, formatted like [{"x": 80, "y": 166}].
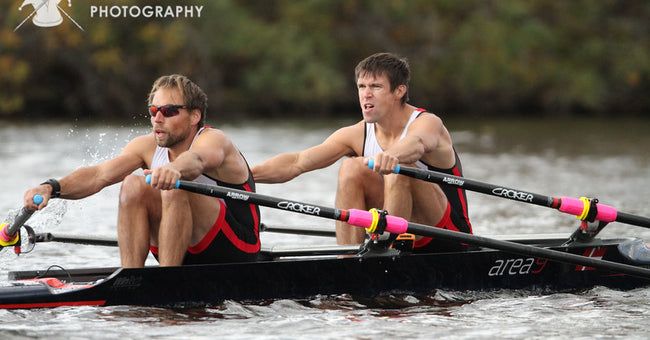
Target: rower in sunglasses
[{"x": 176, "y": 226}]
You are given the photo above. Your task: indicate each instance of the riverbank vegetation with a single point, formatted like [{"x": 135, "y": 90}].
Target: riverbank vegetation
[{"x": 290, "y": 58}]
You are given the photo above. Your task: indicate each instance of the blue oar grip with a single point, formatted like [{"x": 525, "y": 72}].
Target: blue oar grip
[
  {"x": 38, "y": 199},
  {"x": 371, "y": 165},
  {"x": 148, "y": 180}
]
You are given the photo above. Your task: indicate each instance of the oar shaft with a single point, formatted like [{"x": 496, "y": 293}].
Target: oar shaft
[
  {"x": 263, "y": 200},
  {"x": 577, "y": 207},
  {"x": 399, "y": 225},
  {"x": 472, "y": 185},
  {"x": 309, "y": 231},
  {"x": 18, "y": 222},
  {"x": 516, "y": 248},
  {"x": 91, "y": 241},
  {"x": 9, "y": 233},
  {"x": 633, "y": 219}
]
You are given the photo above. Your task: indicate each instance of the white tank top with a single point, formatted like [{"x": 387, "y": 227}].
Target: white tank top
[
  {"x": 161, "y": 157},
  {"x": 371, "y": 146}
]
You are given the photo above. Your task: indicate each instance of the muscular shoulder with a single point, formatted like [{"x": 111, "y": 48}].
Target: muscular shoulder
[
  {"x": 212, "y": 137},
  {"x": 222, "y": 159},
  {"x": 428, "y": 125},
  {"x": 430, "y": 129},
  {"x": 429, "y": 119}
]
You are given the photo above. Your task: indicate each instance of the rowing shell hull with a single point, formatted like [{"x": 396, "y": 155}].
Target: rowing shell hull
[{"x": 303, "y": 278}]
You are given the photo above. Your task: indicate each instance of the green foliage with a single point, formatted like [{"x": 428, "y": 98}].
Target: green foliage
[{"x": 280, "y": 57}]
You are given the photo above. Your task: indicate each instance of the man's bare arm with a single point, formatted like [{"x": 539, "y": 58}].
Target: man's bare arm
[
  {"x": 86, "y": 181},
  {"x": 287, "y": 166}
]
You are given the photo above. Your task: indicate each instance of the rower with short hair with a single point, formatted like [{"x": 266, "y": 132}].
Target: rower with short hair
[
  {"x": 177, "y": 226},
  {"x": 392, "y": 132}
]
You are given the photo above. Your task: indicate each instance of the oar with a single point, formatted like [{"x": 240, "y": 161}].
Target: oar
[
  {"x": 9, "y": 234},
  {"x": 269, "y": 252},
  {"x": 92, "y": 241},
  {"x": 109, "y": 242},
  {"x": 582, "y": 208},
  {"x": 399, "y": 225},
  {"x": 313, "y": 231}
]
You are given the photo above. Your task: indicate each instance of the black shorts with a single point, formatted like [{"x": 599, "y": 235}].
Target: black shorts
[
  {"x": 452, "y": 220},
  {"x": 231, "y": 238}
]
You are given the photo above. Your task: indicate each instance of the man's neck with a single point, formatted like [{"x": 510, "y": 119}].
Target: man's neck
[{"x": 393, "y": 124}]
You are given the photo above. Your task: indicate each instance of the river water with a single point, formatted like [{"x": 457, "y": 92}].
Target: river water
[{"x": 607, "y": 159}]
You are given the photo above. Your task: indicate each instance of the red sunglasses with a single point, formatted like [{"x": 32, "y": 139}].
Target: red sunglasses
[{"x": 168, "y": 110}]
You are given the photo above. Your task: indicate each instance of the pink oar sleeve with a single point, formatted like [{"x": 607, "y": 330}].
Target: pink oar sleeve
[
  {"x": 362, "y": 218},
  {"x": 577, "y": 207}
]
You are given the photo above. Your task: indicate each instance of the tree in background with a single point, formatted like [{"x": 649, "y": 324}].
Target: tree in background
[{"x": 282, "y": 57}]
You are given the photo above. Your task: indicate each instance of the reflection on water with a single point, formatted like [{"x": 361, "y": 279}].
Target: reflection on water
[{"x": 604, "y": 159}]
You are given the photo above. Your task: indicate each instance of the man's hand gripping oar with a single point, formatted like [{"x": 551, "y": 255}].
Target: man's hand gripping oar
[{"x": 10, "y": 232}]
